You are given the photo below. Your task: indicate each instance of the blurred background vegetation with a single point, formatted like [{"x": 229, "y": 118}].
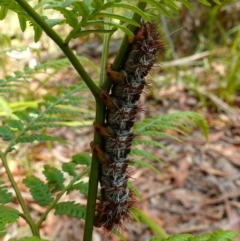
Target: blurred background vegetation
[{"x": 202, "y": 58}]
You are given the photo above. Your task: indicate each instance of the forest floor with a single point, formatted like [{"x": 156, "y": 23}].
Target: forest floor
[{"x": 197, "y": 192}]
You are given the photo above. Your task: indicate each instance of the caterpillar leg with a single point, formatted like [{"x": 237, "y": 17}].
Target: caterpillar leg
[
  {"x": 116, "y": 76},
  {"x": 103, "y": 131},
  {"x": 108, "y": 101},
  {"x": 102, "y": 157}
]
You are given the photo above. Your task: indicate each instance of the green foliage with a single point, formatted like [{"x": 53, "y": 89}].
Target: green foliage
[
  {"x": 80, "y": 186},
  {"x": 70, "y": 208},
  {"x": 218, "y": 235},
  {"x": 181, "y": 122},
  {"x": 83, "y": 17},
  {"x": 39, "y": 191},
  {"x": 141, "y": 216},
  {"x": 54, "y": 177},
  {"x": 78, "y": 159},
  {"x": 28, "y": 239},
  {"x": 53, "y": 113},
  {"x": 22, "y": 16},
  {"x": 7, "y": 215},
  {"x": 5, "y": 196}
]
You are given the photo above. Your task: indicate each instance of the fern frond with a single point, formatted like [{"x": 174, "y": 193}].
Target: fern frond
[
  {"x": 39, "y": 191},
  {"x": 159, "y": 134},
  {"x": 22, "y": 16},
  {"x": 82, "y": 158},
  {"x": 70, "y": 168},
  {"x": 38, "y": 137},
  {"x": 55, "y": 113},
  {"x": 7, "y": 215},
  {"x": 185, "y": 120},
  {"x": 78, "y": 159},
  {"x": 34, "y": 238},
  {"x": 145, "y": 154},
  {"x": 217, "y": 235},
  {"x": 70, "y": 208},
  {"x": 5, "y": 196},
  {"x": 80, "y": 186},
  {"x": 54, "y": 177},
  {"x": 138, "y": 163},
  {"x": 150, "y": 143},
  {"x": 6, "y": 133}
]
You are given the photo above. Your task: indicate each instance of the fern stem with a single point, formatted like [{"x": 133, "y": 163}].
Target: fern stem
[
  {"x": 123, "y": 48},
  {"x": 53, "y": 204},
  {"x": 62, "y": 45},
  {"x": 93, "y": 178},
  {"x": 26, "y": 213},
  {"x": 104, "y": 60}
]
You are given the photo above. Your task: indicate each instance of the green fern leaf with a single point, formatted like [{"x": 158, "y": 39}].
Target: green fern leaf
[
  {"x": 70, "y": 17},
  {"x": 97, "y": 4},
  {"x": 23, "y": 22},
  {"x": 23, "y": 115},
  {"x": 70, "y": 168},
  {"x": 5, "y": 196},
  {"x": 63, "y": 111},
  {"x": 185, "y": 120},
  {"x": 223, "y": 235},
  {"x": 3, "y": 12},
  {"x": 7, "y": 215},
  {"x": 150, "y": 143},
  {"x": 204, "y": 237},
  {"x": 114, "y": 25},
  {"x": 39, "y": 190},
  {"x": 54, "y": 177},
  {"x": 133, "y": 9},
  {"x": 14, "y": 124},
  {"x": 70, "y": 208},
  {"x": 80, "y": 186},
  {"x": 204, "y": 2},
  {"x": 46, "y": 125},
  {"x": 40, "y": 138},
  {"x": 81, "y": 8},
  {"x": 146, "y": 164},
  {"x": 119, "y": 235},
  {"x": 187, "y": 4},
  {"x": 37, "y": 32},
  {"x": 34, "y": 238},
  {"x": 172, "y": 5},
  {"x": 6, "y": 133},
  {"x": 159, "y": 134},
  {"x": 159, "y": 6},
  {"x": 143, "y": 153},
  {"x": 218, "y": 235},
  {"x": 83, "y": 158},
  {"x": 53, "y": 22},
  {"x": 121, "y": 18}
]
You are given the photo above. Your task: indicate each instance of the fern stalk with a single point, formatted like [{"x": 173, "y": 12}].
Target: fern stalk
[
  {"x": 62, "y": 45},
  {"x": 26, "y": 214},
  {"x": 93, "y": 178}
]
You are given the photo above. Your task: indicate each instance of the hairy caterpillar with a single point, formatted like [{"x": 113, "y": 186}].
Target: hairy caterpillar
[{"x": 116, "y": 198}]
